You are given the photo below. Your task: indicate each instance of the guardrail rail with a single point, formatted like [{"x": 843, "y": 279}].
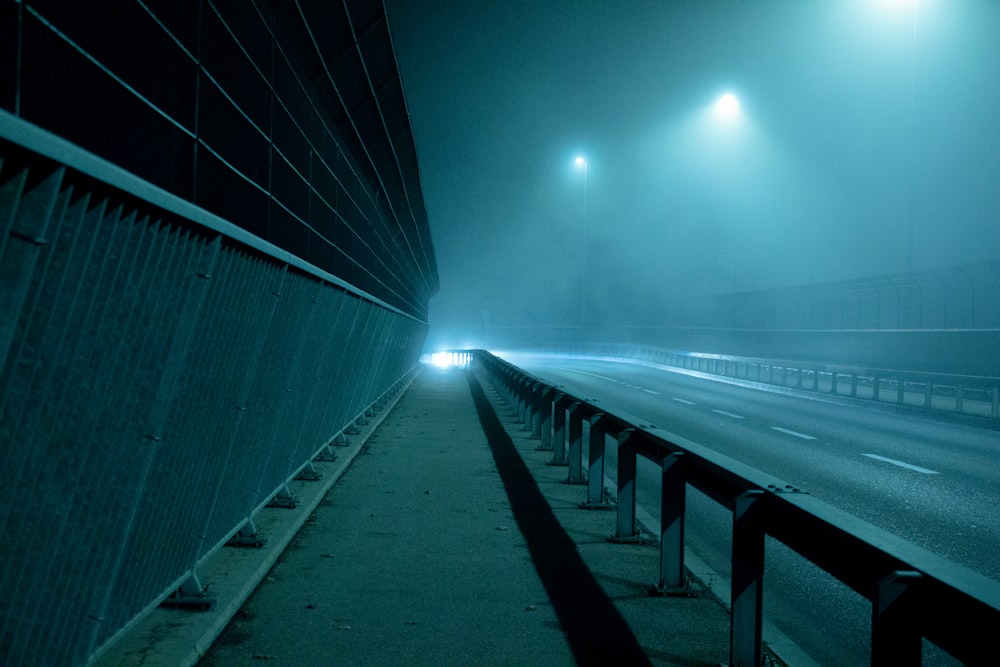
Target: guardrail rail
[{"x": 914, "y": 594}]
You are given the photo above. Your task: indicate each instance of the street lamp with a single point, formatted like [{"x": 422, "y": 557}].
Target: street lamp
[
  {"x": 727, "y": 107},
  {"x": 582, "y": 162}
]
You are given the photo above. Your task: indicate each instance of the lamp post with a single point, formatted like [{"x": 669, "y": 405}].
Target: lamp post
[
  {"x": 907, "y": 315},
  {"x": 582, "y": 162}
]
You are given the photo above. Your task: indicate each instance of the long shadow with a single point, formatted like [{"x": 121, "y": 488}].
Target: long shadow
[{"x": 596, "y": 632}]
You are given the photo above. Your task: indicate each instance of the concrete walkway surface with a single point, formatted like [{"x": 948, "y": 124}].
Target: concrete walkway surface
[{"x": 450, "y": 540}]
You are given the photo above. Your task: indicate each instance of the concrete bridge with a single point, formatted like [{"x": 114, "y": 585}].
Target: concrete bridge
[{"x": 215, "y": 265}]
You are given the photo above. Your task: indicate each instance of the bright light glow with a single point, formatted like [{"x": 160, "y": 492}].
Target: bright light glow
[
  {"x": 441, "y": 359},
  {"x": 727, "y": 106},
  {"x": 581, "y": 162},
  {"x": 448, "y": 359}
]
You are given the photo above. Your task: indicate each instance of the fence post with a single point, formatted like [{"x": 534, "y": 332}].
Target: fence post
[
  {"x": 21, "y": 250},
  {"x": 595, "y": 471},
  {"x": 748, "y": 580},
  {"x": 895, "y": 641},
  {"x": 548, "y": 403},
  {"x": 537, "y": 406},
  {"x": 560, "y": 404},
  {"x": 672, "y": 503},
  {"x": 521, "y": 396},
  {"x": 627, "y": 455},
  {"x": 575, "y": 444},
  {"x": 530, "y": 405}
]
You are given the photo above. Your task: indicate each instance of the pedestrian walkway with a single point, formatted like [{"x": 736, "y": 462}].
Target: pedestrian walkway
[{"x": 449, "y": 541}]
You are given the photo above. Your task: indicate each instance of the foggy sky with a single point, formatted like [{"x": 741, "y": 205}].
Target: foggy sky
[{"x": 855, "y": 116}]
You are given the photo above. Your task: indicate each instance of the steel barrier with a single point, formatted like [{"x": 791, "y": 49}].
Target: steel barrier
[
  {"x": 973, "y": 396},
  {"x": 163, "y": 374},
  {"x": 914, "y": 593}
]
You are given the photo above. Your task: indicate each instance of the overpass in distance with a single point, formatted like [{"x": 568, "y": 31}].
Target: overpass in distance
[{"x": 219, "y": 272}]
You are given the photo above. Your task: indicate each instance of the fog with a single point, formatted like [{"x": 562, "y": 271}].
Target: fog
[{"x": 866, "y": 144}]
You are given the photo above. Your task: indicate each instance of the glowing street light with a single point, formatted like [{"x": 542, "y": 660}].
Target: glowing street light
[{"x": 727, "y": 107}]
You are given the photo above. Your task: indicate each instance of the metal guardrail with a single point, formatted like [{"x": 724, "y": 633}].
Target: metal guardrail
[
  {"x": 163, "y": 375},
  {"x": 914, "y": 593},
  {"x": 974, "y": 396}
]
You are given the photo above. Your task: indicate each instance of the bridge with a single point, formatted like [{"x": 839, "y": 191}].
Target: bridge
[{"x": 215, "y": 271}]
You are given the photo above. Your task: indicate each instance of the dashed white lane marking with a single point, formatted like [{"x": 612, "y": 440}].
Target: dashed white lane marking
[
  {"x": 684, "y": 401},
  {"x": 728, "y": 414},
  {"x": 795, "y": 433},
  {"x": 606, "y": 378},
  {"x": 902, "y": 464}
]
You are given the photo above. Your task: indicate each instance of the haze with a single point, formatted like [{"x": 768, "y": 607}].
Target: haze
[{"x": 866, "y": 143}]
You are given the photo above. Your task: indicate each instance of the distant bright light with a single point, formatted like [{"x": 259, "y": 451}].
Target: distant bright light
[
  {"x": 581, "y": 162},
  {"x": 442, "y": 359},
  {"x": 448, "y": 359},
  {"x": 728, "y": 106}
]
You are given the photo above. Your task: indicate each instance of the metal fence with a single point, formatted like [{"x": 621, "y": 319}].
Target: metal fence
[
  {"x": 914, "y": 594},
  {"x": 163, "y": 374},
  {"x": 974, "y": 397}
]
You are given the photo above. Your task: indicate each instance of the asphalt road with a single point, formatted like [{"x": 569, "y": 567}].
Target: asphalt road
[{"x": 932, "y": 483}]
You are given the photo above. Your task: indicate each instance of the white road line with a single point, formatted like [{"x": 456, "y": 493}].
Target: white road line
[
  {"x": 795, "y": 433},
  {"x": 605, "y": 377},
  {"x": 902, "y": 464},
  {"x": 685, "y": 402},
  {"x": 728, "y": 414}
]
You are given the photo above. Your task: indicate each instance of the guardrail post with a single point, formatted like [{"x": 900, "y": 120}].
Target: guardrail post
[
  {"x": 627, "y": 455},
  {"x": 548, "y": 407},
  {"x": 530, "y": 405},
  {"x": 576, "y": 444},
  {"x": 595, "y": 471},
  {"x": 537, "y": 406},
  {"x": 895, "y": 641},
  {"x": 672, "y": 503},
  {"x": 748, "y": 581},
  {"x": 506, "y": 387},
  {"x": 521, "y": 394},
  {"x": 559, "y": 430}
]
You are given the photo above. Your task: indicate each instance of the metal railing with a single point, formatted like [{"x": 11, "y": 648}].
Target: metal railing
[
  {"x": 973, "y": 396},
  {"x": 914, "y": 593},
  {"x": 163, "y": 375}
]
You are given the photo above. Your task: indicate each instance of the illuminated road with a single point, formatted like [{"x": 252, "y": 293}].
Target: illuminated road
[{"x": 934, "y": 484}]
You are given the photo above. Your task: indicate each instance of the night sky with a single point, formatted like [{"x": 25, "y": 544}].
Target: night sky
[{"x": 857, "y": 119}]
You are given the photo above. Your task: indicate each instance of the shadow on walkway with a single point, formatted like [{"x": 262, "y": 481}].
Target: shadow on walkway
[{"x": 596, "y": 632}]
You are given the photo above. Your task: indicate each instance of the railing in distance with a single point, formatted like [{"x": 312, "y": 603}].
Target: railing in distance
[{"x": 969, "y": 395}]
